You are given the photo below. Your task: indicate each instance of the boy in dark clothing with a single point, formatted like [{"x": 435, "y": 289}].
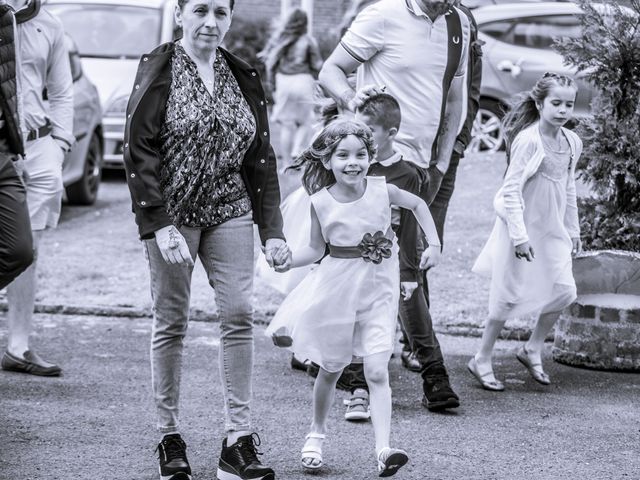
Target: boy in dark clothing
[{"x": 382, "y": 114}]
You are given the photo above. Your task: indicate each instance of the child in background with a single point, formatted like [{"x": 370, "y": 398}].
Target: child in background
[
  {"x": 528, "y": 254},
  {"x": 292, "y": 61},
  {"x": 347, "y": 306}
]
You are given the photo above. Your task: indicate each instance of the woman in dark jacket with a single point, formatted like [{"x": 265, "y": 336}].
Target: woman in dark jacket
[{"x": 201, "y": 171}]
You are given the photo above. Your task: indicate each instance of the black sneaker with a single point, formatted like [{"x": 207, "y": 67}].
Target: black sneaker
[
  {"x": 172, "y": 453},
  {"x": 298, "y": 364},
  {"x": 240, "y": 461},
  {"x": 438, "y": 394}
]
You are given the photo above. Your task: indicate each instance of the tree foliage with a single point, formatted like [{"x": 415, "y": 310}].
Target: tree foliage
[
  {"x": 608, "y": 54},
  {"x": 246, "y": 38}
]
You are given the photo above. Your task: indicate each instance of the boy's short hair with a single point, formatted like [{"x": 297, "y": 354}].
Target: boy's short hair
[{"x": 383, "y": 109}]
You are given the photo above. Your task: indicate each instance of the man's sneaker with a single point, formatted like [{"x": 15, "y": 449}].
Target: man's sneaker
[
  {"x": 240, "y": 461},
  {"x": 438, "y": 394},
  {"x": 410, "y": 361},
  {"x": 358, "y": 406},
  {"x": 172, "y": 453}
]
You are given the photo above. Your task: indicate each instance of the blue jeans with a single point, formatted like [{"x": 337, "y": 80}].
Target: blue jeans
[{"x": 226, "y": 252}]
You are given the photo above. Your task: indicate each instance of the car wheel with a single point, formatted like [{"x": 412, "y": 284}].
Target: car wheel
[
  {"x": 85, "y": 190},
  {"x": 487, "y": 134}
]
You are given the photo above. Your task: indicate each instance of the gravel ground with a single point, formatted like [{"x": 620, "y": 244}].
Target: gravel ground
[{"x": 97, "y": 422}]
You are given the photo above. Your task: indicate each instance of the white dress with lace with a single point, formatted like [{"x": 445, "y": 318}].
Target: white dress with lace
[{"x": 519, "y": 287}]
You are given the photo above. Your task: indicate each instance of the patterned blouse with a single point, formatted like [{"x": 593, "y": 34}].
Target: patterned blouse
[{"x": 203, "y": 142}]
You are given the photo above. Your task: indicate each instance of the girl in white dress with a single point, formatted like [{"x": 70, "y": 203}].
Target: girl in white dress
[
  {"x": 528, "y": 254},
  {"x": 347, "y": 306}
]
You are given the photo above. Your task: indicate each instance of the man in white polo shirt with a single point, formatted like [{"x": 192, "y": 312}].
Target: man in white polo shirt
[{"x": 417, "y": 50}]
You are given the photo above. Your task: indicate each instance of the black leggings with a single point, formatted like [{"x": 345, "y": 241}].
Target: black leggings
[{"x": 16, "y": 243}]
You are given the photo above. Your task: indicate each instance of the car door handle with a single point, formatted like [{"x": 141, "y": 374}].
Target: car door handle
[{"x": 508, "y": 66}]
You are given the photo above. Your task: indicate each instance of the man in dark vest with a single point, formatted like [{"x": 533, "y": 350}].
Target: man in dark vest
[
  {"x": 417, "y": 51},
  {"x": 16, "y": 246}
]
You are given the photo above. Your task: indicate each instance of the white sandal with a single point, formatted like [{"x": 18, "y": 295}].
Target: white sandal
[
  {"x": 390, "y": 460},
  {"x": 312, "y": 452}
]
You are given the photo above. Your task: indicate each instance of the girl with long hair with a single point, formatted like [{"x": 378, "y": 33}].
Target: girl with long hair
[
  {"x": 528, "y": 254},
  {"x": 347, "y": 306},
  {"x": 292, "y": 59}
]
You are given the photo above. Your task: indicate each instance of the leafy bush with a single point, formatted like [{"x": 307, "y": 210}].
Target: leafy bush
[{"x": 608, "y": 54}]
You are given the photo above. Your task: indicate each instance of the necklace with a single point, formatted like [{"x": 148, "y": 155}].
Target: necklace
[{"x": 206, "y": 70}]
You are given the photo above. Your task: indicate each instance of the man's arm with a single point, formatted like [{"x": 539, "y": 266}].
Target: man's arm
[
  {"x": 333, "y": 76},
  {"x": 450, "y": 124},
  {"x": 60, "y": 91}
]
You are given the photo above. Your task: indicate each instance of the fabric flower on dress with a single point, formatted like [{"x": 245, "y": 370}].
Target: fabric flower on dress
[{"x": 375, "y": 248}]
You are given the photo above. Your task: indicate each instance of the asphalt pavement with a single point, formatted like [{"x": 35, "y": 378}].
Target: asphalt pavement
[{"x": 97, "y": 421}]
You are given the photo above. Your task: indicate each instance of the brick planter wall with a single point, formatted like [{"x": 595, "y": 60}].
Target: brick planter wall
[{"x": 601, "y": 329}]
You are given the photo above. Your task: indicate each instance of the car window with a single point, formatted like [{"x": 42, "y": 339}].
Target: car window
[
  {"x": 533, "y": 32},
  {"x": 497, "y": 30},
  {"x": 110, "y": 31}
]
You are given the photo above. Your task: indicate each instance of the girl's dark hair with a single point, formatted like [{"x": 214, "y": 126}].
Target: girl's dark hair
[
  {"x": 524, "y": 109},
  {"x": 316, "y": 176},
  {"x": 182, "y": 3},
  {"x": 294, "y": 27}
]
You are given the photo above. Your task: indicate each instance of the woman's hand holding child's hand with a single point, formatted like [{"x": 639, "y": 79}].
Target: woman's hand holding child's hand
[
  {"x": 524, "y": 250},
  {"x": 430, "y": 257},
  {"x": 277, "y": 254},
  {"x": 282, "y": 262},
  {"x": 281, "y": 258}
]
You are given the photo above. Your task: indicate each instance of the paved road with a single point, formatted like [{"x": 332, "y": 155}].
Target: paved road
[
  {"x": 113, "y": 192},
  {"x": 96, "y": 422}
]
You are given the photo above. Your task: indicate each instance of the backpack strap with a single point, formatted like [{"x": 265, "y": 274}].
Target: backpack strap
[{"x": 454, "y": 54}]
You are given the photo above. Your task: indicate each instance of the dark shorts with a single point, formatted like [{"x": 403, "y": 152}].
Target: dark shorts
[{"x": 16, "y": 244}]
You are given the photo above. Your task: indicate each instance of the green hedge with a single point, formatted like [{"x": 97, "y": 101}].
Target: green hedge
[{"x": 608, "y": 54}]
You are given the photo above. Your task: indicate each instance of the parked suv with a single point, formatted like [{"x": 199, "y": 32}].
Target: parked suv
[
  {"x": 518, "y": 50},
  {"x": 112, "y": 36}
]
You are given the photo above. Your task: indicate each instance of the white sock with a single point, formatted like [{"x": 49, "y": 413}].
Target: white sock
[{"x": 233, "y": 436}]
